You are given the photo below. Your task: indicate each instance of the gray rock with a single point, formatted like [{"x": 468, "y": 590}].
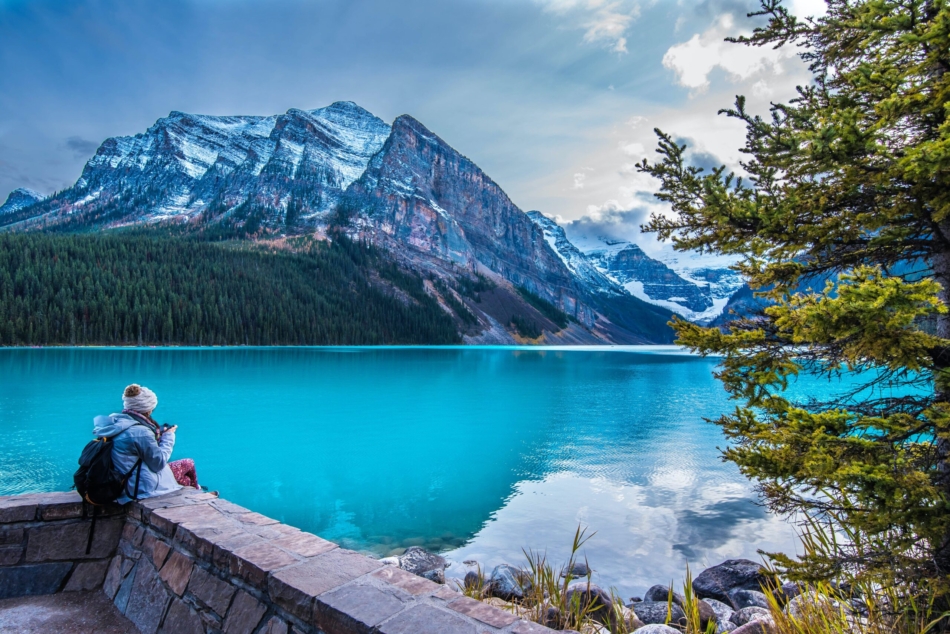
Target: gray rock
[
  {"x": 471, "y": 580},
  {"x": 790, "y": 590},
  {"x": 148, "y": 599},
  {"x": 88, "y": 575},
  {"x": 717, "y": 581},
  {"x": 662, "y": 593},
  {"x": 591, "y": 597},
  {"x": 756, "y": 627},
  {"x": 579, "y": 569},
  {"x": 245, "y": 614},
  {"x": 181, "y": 619},
  {"x": 421, "y": 562},
  {"x": 509, "y": 583},
  {"x": 211, "y": 591},
  {"x": 749, "y": 614},
  {"x": 651, "y": 612},
  {"x": 723, "y": 612},
  {"x": 706, "y": 614},
  {"x": 21, "y": 581},
  {"x": 655, "y": 628},
  {"x": 723, "y": 627},
  {"x": 747, "y": 598}
]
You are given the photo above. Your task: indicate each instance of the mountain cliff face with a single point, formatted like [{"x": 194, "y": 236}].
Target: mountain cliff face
[
  {"x": 20, "y": 199},
  {"x": 420, "y": 192},
  {"x": 578, "y": 263},
  {"x": 189, "y": 167},
  {"x": 341, "y": 169}
]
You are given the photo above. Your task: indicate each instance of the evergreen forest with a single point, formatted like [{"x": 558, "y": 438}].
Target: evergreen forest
[{"x": 134, "y": 289}]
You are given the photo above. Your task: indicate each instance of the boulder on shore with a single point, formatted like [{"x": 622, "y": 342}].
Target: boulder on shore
[
  {"x": 756, "y": 627},
  {"x": 717, "y": 581},
  {"x": 421, "y": 562},
  {"x": 598, "y": 603},
  {"x": 723, "y": 612},
  {"x": 745, "y": 598},
  {"x": 652, "y": 612},
  {"x": 657, "y": 628},
  {"x": 509, "y": 583},
  {"x": 751, "y": 613},
  {"x": 662, "y": 593}
]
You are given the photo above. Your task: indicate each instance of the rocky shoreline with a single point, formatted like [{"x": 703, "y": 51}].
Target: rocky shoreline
[{"x": 728, "y": 595}]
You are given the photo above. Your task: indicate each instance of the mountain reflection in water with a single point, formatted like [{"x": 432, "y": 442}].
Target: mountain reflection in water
[{"x": 474, "y": 452}]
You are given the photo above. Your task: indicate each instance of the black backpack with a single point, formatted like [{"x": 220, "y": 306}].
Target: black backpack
[{"x": 97, "y": 480}]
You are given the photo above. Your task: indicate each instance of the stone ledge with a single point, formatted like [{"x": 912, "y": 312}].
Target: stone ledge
[{"x": 193, "y": 563}]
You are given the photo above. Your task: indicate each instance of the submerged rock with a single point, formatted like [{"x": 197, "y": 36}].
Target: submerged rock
[
  {"x": 579, "y": 569},
  {"x": 717, "y": 581},
  {"x": 420, "y": 562}
]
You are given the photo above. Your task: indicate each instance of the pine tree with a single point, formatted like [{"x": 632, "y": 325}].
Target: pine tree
[{"x": 848, "y": 182}]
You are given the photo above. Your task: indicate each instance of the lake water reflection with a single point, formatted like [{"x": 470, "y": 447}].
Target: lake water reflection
[{"x": 475, "y": 452}]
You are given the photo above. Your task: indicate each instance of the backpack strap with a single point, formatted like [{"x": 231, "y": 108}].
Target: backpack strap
[
  {"x": 138, "y": 474},
  {"x": 92, "y": 529}
]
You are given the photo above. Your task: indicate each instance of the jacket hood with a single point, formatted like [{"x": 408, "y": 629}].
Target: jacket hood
[{"x": 111, "y": 425}]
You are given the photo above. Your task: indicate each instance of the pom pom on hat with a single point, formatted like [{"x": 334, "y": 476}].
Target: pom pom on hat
[{"x": 139, "y": 399}]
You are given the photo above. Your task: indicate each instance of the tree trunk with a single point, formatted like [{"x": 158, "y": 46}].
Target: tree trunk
[{"x": 941, "y": 358}]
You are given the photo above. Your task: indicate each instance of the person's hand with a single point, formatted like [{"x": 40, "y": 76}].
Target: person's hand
[{"x": 170, "y": 429}]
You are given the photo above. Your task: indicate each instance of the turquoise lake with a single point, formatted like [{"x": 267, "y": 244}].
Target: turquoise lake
[{"x": 473, "y": 452}]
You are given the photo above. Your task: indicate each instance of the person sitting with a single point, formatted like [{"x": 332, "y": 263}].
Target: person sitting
[{"x": 142, "y": 447}]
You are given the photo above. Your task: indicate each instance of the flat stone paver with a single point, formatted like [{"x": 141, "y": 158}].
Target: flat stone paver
[{"x": 64, "y": 613}]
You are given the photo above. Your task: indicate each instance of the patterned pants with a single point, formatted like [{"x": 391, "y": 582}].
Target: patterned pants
[{"x": 184, "y": 472}]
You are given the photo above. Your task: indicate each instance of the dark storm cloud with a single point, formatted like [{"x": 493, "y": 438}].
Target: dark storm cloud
[
  {"x": 613, "y": 223},
  {"x": 81, "y": 147}
]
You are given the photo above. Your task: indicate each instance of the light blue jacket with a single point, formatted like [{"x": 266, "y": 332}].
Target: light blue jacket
[{"x": 132, "y": 440}]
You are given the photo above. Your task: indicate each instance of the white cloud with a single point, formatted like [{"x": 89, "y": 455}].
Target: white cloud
[
  {"x": 579, "y": 179},
  {"x": 695, "y": 59},
  {"x": 635, "y": 150},
  {"x": 808, "y": 8},
  {"x": 604, "y": 22}
]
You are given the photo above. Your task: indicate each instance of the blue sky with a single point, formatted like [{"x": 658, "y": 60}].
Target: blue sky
[{"x": 554, "y": 99}]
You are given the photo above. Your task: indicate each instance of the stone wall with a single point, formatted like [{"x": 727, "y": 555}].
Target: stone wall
[
  {"x": 192, "y": 563},
  {"x": 43, "y": 544}
]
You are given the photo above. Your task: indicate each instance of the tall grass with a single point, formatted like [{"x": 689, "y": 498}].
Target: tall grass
[{"x": 849, "y": 604}]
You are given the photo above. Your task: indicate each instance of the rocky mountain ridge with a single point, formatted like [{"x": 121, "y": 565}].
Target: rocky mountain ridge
[
  {"x": 20, "y": 199},
  {"x": 341, "y": 169}
]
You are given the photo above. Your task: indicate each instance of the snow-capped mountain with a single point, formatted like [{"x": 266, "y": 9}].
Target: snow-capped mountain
[
  {"x": 573, "y": 259},
  {"x": 341, "y": 169},
  {"x": 20, "y": 199},
  {"x": 692, "y": 285},
  {"x": 186, "y": 166}
]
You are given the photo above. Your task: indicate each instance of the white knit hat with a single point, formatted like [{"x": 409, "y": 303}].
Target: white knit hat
[{"x": 139, "y": 399}]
